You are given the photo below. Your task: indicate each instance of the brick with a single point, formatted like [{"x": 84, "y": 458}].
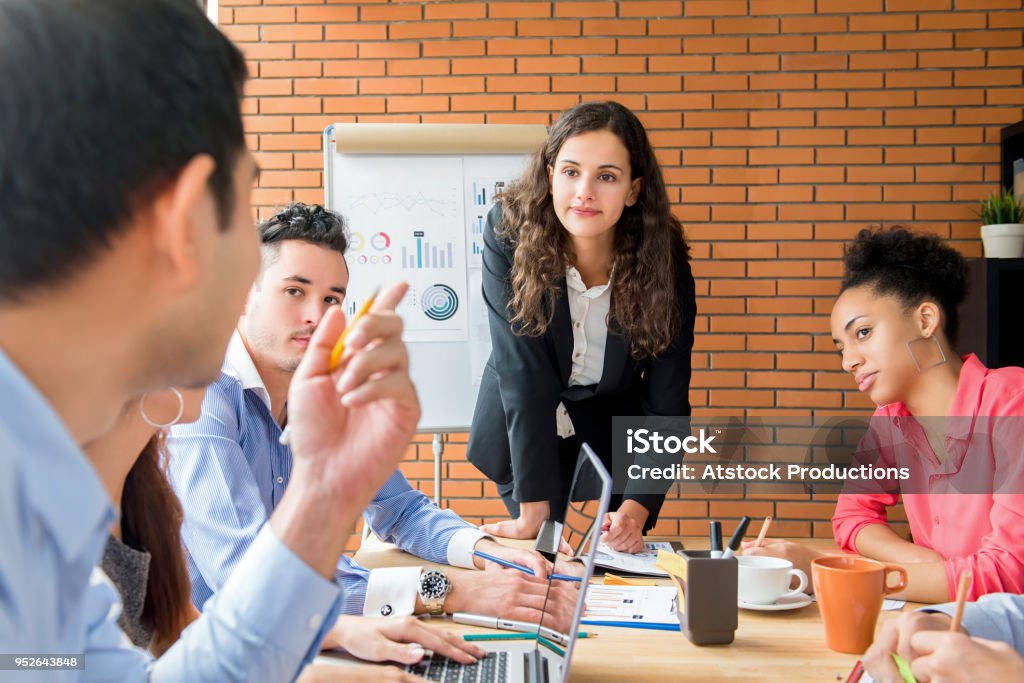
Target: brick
[
  {"x": 417, "y": 103},
  {"x": 884, "y": 61},
  {"x": 545, "y": 102},
  {"x": 404, "y": 12},
  {"x": 519, "y": 10},
  {"x": 326, "y": 86},
  {"x": 883, "y": 22},
  {"x": 577, "y": 83},
  {"x": 817, "y": 62},
  {"x": 651, "y": 8},
  {"x": 465, "y": 10},
  {"x": 648, "y": 46},
  {"x": 680, "y": 27},
  {"x": 919, "y": 41},
  {"x": 715, "y": 8},
  {"x": 453, "y": 84},
  {"x": 518, "y": 46},
  {"x": 688, "y": 64},
  {"x": 745, "y": 101},
  {"x": 583, "y": 46},
  {"x": 781, "y": 81},
  {"x": 745, "y": 26},
  {"x": 491, "y": 65},
  {"x": 988, "y": 39},
  {"x": 778, "y": 44},
  {"x": 547, "y": 65},
  {"x": 326, "y": 15},
  {"x": 266, "y": 15},
  {"x": 417, "y": 67},
  {"x": 389, "y": 50},
  {"x": 519, "y": 83},
  {"x": 704, "y": 83},
  {"x": 950, "y": 58},
  {"x": 549, "y": 28},
  {"x": 698, "y": 45},
  {"x": 613, "y": 64},
  {"x": 747, "y": 63},
  {"x": 455, "y": 48},
  {"x": 774, "y": 7},
  {"x": 616, "y": 28},
  {"x": 483, "y": 29},
  {"x": 583, "y": 9},
  {"x": 420, "y": 29}
]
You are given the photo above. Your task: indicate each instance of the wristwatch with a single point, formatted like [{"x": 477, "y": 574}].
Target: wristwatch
[{"x": 433, "y": 589}]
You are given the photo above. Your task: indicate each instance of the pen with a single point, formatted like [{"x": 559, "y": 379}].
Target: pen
[
  {"x": 737, "y": 538},
  {"x": 509, "y": 625},
  {"x": 716, "y": 539},
  {"x": 516, "y": 636},
  {"x": 336, "y": 351},
  {"x": 512, "y": 565}
]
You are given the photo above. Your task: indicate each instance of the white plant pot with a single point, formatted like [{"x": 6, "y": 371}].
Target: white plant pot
[{"x": 1005, "y": 240}]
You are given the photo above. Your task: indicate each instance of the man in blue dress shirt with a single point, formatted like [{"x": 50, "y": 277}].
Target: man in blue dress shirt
[
  {"x": 230, "y": 469},
  {"x": 127, "y": 253}
]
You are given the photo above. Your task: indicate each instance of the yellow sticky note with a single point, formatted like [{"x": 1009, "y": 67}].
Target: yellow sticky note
[
  {"x": 613, "y": 580},
  {"x": 675, "y": 565}
]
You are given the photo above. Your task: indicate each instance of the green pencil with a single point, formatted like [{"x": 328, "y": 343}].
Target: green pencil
[{"x": 515, "y": 636}]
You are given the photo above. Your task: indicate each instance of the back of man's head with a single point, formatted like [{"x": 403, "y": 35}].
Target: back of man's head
[
  {"x": 103, "y": 102},
  {"x": 310, "y": 223}
]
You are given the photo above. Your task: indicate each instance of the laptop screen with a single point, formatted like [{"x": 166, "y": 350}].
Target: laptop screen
[{"x": 589, "y": 496}]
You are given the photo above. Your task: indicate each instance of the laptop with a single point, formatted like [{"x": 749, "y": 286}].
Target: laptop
[{"x": 544, "y": 659}]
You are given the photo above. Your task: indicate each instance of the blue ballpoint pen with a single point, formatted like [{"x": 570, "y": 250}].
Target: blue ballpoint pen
[{"x": 512, "y": 565}]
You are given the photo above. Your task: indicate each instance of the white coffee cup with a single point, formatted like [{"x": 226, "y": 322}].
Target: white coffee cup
[{"x": 763, "y": 580}]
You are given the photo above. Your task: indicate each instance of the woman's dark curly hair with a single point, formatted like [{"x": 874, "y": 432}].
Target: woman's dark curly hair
[
  {"x": 649, "y": 243},
  {"x": 912, "y": 267}
]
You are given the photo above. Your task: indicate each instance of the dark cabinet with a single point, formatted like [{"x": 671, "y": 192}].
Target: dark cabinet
[{"x": 992, "y": 316}]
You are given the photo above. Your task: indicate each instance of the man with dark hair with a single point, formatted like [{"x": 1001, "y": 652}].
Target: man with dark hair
[
  {"x": 230, "y": 469},
  {"x": 128, "y": 250}
]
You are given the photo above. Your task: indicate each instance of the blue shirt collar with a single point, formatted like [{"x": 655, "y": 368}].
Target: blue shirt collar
[{"x": 59, "y": 483}]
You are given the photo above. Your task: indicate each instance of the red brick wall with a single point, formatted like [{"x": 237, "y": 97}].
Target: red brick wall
[{"x": 783, "y": 127}]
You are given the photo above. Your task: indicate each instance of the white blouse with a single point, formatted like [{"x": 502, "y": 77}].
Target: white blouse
[{"x": 588, "y": 311}]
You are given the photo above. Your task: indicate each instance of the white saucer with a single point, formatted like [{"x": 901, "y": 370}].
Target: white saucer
[{"x": 785, "y": 602}]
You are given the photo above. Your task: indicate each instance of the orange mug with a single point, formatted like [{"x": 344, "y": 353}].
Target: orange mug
[{"x": 850, "y": 591}]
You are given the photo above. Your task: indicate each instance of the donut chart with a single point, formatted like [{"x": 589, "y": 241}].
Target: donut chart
[{"x": 439, "y": 302}]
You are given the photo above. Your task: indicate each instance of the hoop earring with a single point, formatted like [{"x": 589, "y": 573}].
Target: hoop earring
[
  {"x": 157, "y": 425},
  {"x": 938, "y": 347}
]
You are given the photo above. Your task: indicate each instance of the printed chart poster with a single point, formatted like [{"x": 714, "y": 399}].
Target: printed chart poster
[
  {"x": 406, "y": 220},
  {"x": 484, "y": 177}
]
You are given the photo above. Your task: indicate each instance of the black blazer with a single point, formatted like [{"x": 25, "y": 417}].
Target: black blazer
[{"x": 513, "y": 435}]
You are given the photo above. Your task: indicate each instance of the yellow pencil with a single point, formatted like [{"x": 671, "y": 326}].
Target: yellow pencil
[
  {"x": 339, "y": 346},
  {"x": 336, "y": 353},
  {"x": 764, "y": 531},
  {"x": 961, "y": 597}
]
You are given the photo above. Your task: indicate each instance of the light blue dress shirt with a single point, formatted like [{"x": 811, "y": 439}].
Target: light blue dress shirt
[
  {"x": 54, "y": 520},
  {"x": 230, "y": 472},
  {"x": 996, "y": 616}
]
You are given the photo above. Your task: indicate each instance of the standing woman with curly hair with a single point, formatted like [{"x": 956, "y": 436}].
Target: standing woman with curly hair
[{"x": 592, "y": 305}]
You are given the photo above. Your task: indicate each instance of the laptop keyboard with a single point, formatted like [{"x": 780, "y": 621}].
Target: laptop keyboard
[{"x": 435, "y": 667}]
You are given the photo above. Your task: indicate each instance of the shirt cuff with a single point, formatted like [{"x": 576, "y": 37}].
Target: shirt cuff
[
  {"x": 293, "y": 618},
  {"x": 460, "y": 547},
  {"x": 391, "y": 592}
]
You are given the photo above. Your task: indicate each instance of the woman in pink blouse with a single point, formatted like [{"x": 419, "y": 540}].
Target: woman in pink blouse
[{"x": 944, "y": 418}]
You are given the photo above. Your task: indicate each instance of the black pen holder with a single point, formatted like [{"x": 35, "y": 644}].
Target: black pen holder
[{"x": 708, "y": 613}]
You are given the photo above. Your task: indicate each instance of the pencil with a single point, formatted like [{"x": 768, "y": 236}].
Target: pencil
[
  {"x": 961, "y": 597},
  {"x": 339, "y": 346},
  {"x": 336, "y": 351},
  {"x": 764, "y": 531}
]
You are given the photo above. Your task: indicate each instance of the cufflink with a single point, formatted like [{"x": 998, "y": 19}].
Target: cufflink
[{"x": 385, "y": 610}]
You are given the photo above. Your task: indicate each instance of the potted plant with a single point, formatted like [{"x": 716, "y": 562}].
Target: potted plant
[{"x": 1002, "y": 225}]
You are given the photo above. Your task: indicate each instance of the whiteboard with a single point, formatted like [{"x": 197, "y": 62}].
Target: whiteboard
[{"x": 415, "y": 197}]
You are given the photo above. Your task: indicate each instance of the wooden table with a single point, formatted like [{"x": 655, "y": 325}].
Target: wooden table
[{"x": 776, "y": 646}]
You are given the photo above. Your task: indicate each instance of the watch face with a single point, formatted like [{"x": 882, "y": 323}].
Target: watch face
[{"x": 433, "y": 584}]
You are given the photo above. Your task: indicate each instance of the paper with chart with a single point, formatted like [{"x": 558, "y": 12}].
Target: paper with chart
[
  {"x": 406, "y": 223},
  {"x": 483, "y": 177},
  {"x": 639, "y": 563},
  {"x": 609, "y": 605}
]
